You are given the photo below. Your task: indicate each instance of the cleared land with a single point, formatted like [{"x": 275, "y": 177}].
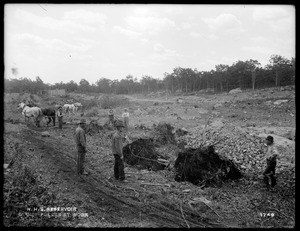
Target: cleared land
[{"x": 42, "y": 171}]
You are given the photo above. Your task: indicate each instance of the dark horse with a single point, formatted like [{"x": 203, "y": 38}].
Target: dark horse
[{"x": 50, "y": 113}]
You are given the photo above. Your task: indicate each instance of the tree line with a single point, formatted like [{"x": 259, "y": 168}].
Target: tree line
[{"x": 242, "y": 74}]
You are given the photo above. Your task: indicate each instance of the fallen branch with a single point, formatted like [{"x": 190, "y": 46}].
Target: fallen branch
[
  {"x": 213, "y": 210},
  {"x": 154, "y": 184},
  {"x": 111, "y": 184},
  {"x": 136, "y": 193},
  {"x": 183, "y": 214},
  {"x": 72, "y": 158},
  {"x": 147, "y": 158},
  {"x": 284, "y": 214},
  {"x": 163, "y": 160}
]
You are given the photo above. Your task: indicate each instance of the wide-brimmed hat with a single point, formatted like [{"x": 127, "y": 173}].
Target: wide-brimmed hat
[
  {"x": 270, "y": 138},
  {"x": 82, "y": 121}
]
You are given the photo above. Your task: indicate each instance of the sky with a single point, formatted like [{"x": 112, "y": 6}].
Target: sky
[{"x": 64, "y": 42}]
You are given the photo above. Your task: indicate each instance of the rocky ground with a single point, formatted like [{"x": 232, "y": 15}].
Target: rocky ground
[{"x": 39, "y": 172}]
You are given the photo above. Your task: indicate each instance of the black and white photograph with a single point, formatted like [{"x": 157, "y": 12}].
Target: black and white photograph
[{"x": 136, "y": 115}]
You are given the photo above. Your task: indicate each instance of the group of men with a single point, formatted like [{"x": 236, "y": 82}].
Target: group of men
[
  {"x": 120, "y": 135},
  {"x": 118, "y": 139}
]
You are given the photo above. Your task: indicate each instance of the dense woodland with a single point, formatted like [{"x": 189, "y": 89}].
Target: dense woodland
[{"x": 242, "y": 74}]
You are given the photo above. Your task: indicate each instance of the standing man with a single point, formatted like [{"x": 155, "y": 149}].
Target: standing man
[
  {"x": 59, "y": 117},
  {"x": 80, "y": 141},
  {"x": 117, "y": 151},
  {"x": 111, "y": 116},
  {"x": 125, "y": 116},
  {"x": 271, "y": 156}
]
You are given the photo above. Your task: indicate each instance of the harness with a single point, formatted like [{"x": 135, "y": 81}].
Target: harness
[{"x": 23, "y": 109}]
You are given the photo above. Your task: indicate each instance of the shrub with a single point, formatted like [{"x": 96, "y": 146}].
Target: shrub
[{"x": 94, "y": 111}]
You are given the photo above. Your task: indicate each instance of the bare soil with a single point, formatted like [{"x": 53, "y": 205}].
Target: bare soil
[{"x": 149, "y": 198}]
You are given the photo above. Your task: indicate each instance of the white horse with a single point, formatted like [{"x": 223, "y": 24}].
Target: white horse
[
  {"x": 29, "y": 112},
  {"x": 69, "y": 107},
  {"x": 77, "y": 106}
]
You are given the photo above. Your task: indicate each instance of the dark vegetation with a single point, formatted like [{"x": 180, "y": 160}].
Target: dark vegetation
[
  {"x": 243, "y": 74},
  {"x": 204, "y": 167}
]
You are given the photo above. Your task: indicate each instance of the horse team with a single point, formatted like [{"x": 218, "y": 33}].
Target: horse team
[{"x": 38, "y": 113}]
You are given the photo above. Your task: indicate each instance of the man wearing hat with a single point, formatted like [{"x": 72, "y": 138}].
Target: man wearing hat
[
  {"x": 59, "y": 117},
  {"x": 271, "y": 156},
  {"x": 111, "y": 116},
  {"x": 125, "y": 116},
  {"x": 117, "y": 151},
  {"x": 80, "y": 141}
]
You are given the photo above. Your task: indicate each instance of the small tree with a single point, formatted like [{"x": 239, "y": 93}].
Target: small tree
[
  {"x": 84, "y": 85},
  {"x": 278, "y": 64}
]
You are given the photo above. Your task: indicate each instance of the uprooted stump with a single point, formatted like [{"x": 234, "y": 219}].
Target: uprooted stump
[
  {"x": 142, "y": 153},
  {"x": 203, "y": 166}
]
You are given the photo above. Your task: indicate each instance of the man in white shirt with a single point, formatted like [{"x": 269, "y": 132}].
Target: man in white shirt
[{"x": 271, "y": 156}]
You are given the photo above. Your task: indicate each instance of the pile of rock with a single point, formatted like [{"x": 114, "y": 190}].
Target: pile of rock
[{"x": 245, "y": 150}]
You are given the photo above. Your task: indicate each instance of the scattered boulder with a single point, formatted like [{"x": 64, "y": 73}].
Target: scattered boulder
[
  {"x": 234, "y": 91},
  {"x": 202, "y": 111},
  {"x": 180, "y": 100},
  {"x": 280, "y": 101},
  {"x": 45, "y": 134}
]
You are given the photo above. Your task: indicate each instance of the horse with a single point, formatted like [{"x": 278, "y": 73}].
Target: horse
[
  {"x": 69, "y": 107},
  {"x": 77, "y": 106},
  {"x": 50, "y": 114},
  {"x": 29, "y": 112}
]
